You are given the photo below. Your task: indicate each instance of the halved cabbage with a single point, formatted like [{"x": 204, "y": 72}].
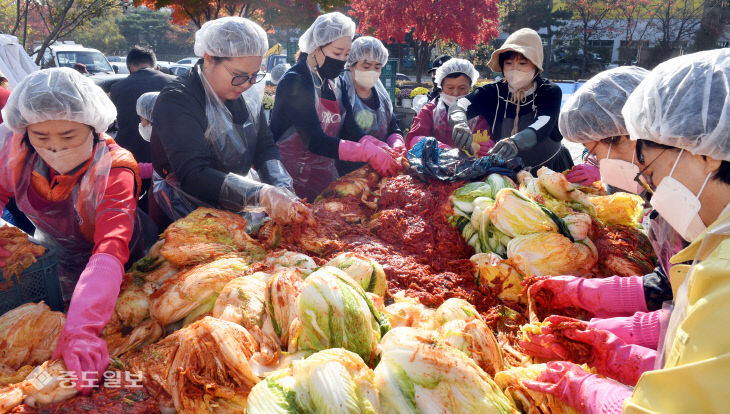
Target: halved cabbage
[
  {"x": 335, "y": 313},
  {"x": 495, "y": 272},
  {"x": 514, "y": 215},
  {"x": 419, "y": 373},
  {"x": 551, "y": 254},
  {"x": 367, "y": 272},
  {"x": 476, "y": 340}
]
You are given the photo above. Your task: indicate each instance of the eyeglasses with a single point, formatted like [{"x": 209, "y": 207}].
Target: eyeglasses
[
  {"x": 641, "y": 178},
  {"x": 239, "y": 80}
]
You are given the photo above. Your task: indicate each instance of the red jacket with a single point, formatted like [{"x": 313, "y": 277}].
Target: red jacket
[
  {"x": 4, "y": 95},
  {"x": 113, "y": 226}
]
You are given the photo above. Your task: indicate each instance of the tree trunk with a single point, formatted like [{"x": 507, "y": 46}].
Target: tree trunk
[
  {"x": 584, "y": 66},
  {"x": 53, "y": 35},
  {"x": 423, "y": 54}
]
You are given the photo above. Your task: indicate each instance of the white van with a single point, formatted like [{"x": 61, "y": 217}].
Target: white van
[{"x": 67, "y": 54}]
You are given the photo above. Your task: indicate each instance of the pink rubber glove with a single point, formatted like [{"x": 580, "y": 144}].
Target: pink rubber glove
[
  {"x": 567, "y": 338},
  {"x": 368, "y": 152},
  {"x": 396, "y": 141},
  {"x": 3, "y": 251},
  {"x": 584, "y": 174},
  {"x": 605, "y": 298},
  {"x": 371, "y": 139},
  {"x": 145, "y": 170},
  {"x": 641, "y": 328},
  {"x": 92, "y": 304},
  {"x": 587, "y": 393}
]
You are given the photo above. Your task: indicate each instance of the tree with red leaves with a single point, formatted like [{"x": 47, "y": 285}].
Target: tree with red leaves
[
  {"x": 467, "y": 23},
  {"x": 279, "y": 13}
]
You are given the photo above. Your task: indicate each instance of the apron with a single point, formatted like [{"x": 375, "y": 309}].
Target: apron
[
  {"x": 310, "y": 172},
  {"x": 442, "y": 131},
  {"x": 544, "y": 151},
  {"x": 58, "y": 224},
  {"x": 233, "y": 146},
  {"x": 372, "y": 122}
]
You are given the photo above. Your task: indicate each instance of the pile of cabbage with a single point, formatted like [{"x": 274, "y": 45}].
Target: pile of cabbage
[{"x": 541, "y": 228}]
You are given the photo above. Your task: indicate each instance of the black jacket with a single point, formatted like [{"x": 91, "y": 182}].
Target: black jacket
[
  {"x": 179, "y": 144},
  {"x": 294, "y": 105},
  {"x": 124, "y": 94}
]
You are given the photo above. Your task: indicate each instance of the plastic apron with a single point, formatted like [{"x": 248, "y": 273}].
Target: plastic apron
[
  {"x": 665, "y": 241},
  {"x": 310, "y": 172},
  {"x": 544, "y": 151},
  {"x": 58, "y": 224},
  {"x": 442, "y": 131},
  {"x": 681, "y": 299},
  {"x": 230, "y": 143},
  {"x": 372, "y": 122}
]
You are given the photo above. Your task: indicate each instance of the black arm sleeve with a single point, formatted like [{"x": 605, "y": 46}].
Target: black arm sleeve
[
  {"x": 182, "y": 134},
  {"x": 483, "y": 102},
  {"x": 547, "y": 100},
  {"x": 298, "y": 103},
  {"x": 657, "y": 289}
]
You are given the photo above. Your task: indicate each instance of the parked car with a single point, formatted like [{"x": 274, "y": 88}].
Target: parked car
[
  {"x": 122, "y": 59},
  {"x": 67, "y": 54},
  {"x": 273, "y": 60},
  {"x": 402, "y": 77},
  {"x": 188, "y": 61},
  {"x": 180, "y": 70}
]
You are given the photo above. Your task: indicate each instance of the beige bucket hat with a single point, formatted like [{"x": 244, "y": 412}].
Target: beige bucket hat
[{"x": 525, "y": 41}]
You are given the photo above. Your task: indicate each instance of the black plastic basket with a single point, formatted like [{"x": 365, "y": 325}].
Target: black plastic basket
[{"x": 37, "y": 283}]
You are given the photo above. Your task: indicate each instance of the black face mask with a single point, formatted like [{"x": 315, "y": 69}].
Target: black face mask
[{"x": 331, "y": 68}]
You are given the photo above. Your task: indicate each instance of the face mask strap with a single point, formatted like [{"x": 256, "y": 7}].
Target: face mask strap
[
  {"x": 608, "y": 155},
  {"x": 633, "y": 155},
  {"x": 676, "y": 162},
  {"x": 707, "y": 179}
]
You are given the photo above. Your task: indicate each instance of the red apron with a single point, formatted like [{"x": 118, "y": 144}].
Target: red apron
[{"x": 310, "y": 172}]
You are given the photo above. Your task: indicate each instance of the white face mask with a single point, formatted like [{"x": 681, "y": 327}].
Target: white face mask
[
  {"x": 678, "y": 205},
  {"x": 449, "y": 100},
  {"x": 620, "y": 173},
  {"x": 366, "y": 78},
  {"x": 145, "y": 131},
  {"x": 518, "y": 79},
  {"x": 65, "y": 160}
]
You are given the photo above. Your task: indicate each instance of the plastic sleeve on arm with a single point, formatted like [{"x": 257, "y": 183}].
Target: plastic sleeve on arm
[{"x": 238, "y": 192}]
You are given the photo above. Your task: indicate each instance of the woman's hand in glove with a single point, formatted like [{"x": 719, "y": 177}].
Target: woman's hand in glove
[{"x": 283, "y": 206}]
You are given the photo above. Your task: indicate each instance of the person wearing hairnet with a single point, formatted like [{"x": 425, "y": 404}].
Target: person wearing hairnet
[
  {"x": 435, "y": 91},
  {"x": 208, "y": 131},
  {"x": 144, "y": 107},
  {"x": 80, "y": 190},
  {"x": 370, "y": 102},
  {"x": 311, "y": 121},
  {"x": 278, "y": 72},
  {"x": 679, "y": 118},
  {"x": 455, "y": 77},
  {"x": 522, "y": 109},
  {"x": 592, "y": 117}
]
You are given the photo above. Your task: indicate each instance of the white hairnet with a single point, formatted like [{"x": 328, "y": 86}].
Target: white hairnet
[
  {"x": 593, "y": 112},
  {"x": 685, "y": 103},
  {"x": 325, "y": 30},
  {"x": 145, "y": 104},
  {"x": 367, "y": 48},
  {"x": 58, "y": 94},
  {"x": 457, "y": 66},
  {"x": 278, "y": 72},
  {"x": 231, "y": 37}
]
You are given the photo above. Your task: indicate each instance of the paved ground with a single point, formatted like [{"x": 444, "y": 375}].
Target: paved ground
[{"x": 576, "y": 150}]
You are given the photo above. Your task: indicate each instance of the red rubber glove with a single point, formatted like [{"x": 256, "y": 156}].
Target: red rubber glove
[
  {"x": 611, "y": 356},
  {"x": 587, "y": 393},
  {"x": 3, "y": 252},
  {"x": 605, "y": 298},
  {"x": 396, "y": 141},
  {"x": 584, "y": 174},
  {"x": 641, "y": 328},
  {"x": 92, "y": 304},
  {"x": 377, "y": 157}
]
